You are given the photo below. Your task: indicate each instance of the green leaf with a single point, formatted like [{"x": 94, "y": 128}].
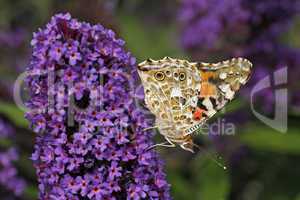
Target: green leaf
[
  {"x": 13, "y": 113},
  {"x": 265, "y": 138},
  {"x": 234, "y": 105}
]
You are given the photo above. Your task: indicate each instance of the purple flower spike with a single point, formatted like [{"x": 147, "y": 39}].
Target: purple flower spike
[{"x": 90, "y": 142}]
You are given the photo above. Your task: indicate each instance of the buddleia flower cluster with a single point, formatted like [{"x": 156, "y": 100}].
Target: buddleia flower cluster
[
  {"x": 10, "y": 181},
  {"x": 91, "y": 142}
]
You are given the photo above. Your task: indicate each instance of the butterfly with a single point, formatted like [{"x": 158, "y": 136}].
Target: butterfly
[{"x": 184, "y": 95}]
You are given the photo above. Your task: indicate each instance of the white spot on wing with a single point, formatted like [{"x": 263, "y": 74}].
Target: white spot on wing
[
  {"x": 223, "y": 75},
  {"x": 207, "y": 103},
  {"x": 225, "y": 88},
  {"x": 210, "y": 108},
  {"x": 229, "y": 94},
  {"x": 194, "y": 100},
  {"x": 197, "y": 78},
  {"x": 176, "y": 92}
]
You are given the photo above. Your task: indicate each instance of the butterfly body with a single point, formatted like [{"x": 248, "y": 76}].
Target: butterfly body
[{"x": 184, "y": 95}]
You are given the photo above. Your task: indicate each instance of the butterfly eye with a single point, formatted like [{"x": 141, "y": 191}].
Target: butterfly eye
[
  {"x": 160, "y": 76},
  {"x": 182, "y": 76}
]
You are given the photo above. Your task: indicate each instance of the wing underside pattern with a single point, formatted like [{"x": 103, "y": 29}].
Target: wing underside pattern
[{"x": 184, "y": 95}]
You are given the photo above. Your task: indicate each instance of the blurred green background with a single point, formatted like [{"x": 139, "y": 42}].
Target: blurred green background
[{"x": 262, "y": 163}]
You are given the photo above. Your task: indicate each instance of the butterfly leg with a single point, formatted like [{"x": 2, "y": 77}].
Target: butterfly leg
[
  {"x": 149, "y": 128},
  {"x": 168, "y": 143}
]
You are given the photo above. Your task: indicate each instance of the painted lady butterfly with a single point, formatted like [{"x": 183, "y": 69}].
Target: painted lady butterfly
[{"x": 184, "y": 95}]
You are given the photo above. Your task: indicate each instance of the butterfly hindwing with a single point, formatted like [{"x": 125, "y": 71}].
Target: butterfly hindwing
[{"x": 167, "y": 82}]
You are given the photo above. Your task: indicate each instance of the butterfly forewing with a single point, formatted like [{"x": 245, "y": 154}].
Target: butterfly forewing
[{"x": 219, "y": 84}]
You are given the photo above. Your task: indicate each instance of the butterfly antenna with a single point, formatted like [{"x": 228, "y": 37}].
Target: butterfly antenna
[
  {"x": 210, "y": 156},
  {"x": 149, "y": 128}
]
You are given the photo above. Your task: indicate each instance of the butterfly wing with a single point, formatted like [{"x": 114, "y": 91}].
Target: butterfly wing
[
  {"x": 157, "y": 83},
  {"x": 184, "y": 95},
  {"x": 171, "y": 97},
  {"x": 219, "y": 84}
]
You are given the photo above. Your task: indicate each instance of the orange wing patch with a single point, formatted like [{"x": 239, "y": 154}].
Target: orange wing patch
[
  {"x": 206, "y": 76},
  {"x": 208, "y": 89}
]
